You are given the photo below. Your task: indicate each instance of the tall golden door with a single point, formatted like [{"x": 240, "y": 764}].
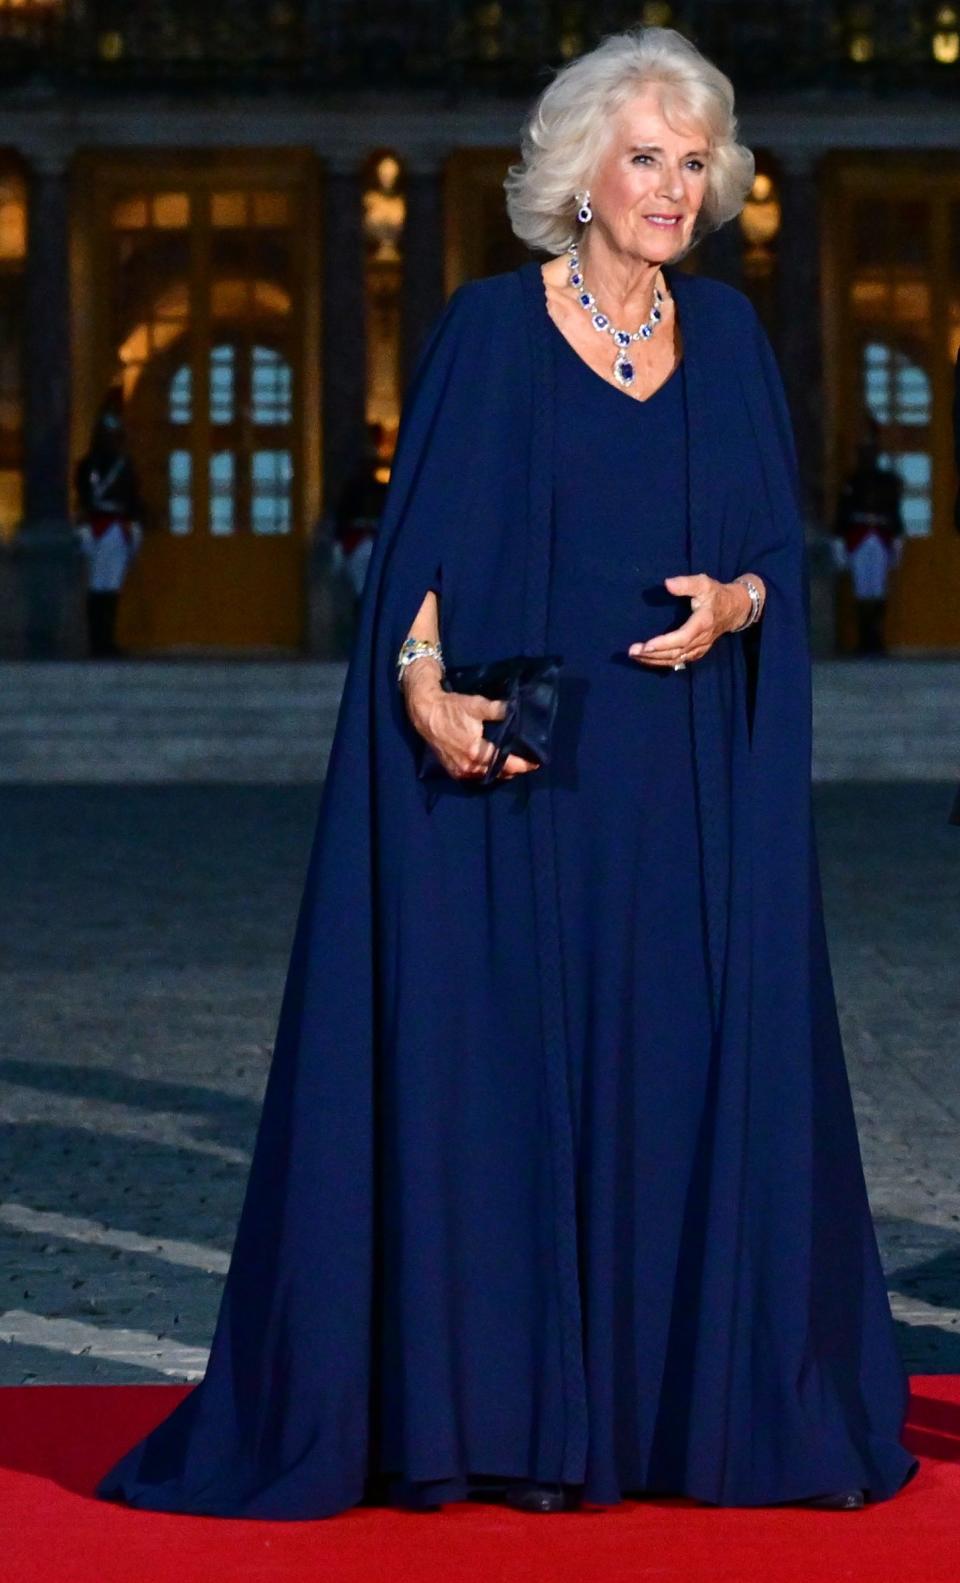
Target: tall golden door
[
  {"x": 199, "y": 270},
  {"x": 892, "y": 304}
]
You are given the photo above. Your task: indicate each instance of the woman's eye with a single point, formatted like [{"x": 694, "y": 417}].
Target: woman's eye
[
  {"x": 696, "y": 164},
  {"x": 641, "y": 156}
]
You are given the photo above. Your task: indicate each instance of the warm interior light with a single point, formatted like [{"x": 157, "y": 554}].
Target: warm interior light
[
  {"x": 760, "y": 215},
  {"x": 13, "y": 224},
  {"x": 110, "y": 46}
]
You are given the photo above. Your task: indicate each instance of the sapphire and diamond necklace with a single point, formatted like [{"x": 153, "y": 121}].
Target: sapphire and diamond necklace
[{"x": 624, "y": 371}]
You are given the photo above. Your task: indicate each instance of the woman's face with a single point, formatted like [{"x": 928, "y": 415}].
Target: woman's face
[{"x": 650, "y": 182}]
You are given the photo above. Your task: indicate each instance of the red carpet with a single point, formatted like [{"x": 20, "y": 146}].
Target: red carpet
[{"x": 56, "y": 1440}]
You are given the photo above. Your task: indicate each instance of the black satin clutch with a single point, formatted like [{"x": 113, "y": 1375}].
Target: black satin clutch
[{"x": 528, "y": 682}]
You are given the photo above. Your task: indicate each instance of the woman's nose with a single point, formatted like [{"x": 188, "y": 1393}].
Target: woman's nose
[{"x": 671, "y": 186}]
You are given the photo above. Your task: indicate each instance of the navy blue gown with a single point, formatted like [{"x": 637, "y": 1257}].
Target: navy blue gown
[
  {"x": 557, "y": 1171},
  {"x": 635, "y": 965},
  {"x": 636, "y": 986}
]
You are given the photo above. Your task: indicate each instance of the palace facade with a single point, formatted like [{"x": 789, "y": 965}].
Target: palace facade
[{"x": 248, "y": 216}]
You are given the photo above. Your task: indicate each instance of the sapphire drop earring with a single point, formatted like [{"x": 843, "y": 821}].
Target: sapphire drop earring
[{"x": 585, "y": 213}]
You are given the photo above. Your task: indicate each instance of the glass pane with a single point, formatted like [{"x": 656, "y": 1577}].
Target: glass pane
[
  {"x": 896, "y": 389},
  {"x": 11, "y": 502},
  {"x": 13, "y": 220},
  {"x": 180, "y": 408},
  {"x": 171, "y": 210},
  {"x": 180, "y": 473},
  {"x": 130, "y": 213},
  {"x": 222, "y": 385},
  {"x": 271, "y": 382},
  {"x": 229, "y": 299},
  {"x": 271, "y": 208},
  {"x": 229, "y": 208},
  {"x": 271, "y": 478},
  {"x": 221, "y": 493},
  {"x": 916, "y": 470}
]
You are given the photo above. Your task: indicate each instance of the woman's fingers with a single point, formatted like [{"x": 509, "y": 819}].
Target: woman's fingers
[
  {"x": 680, "y": 640},
  {"x": 464, "y": 750},
  {"x": 515, "y": 764},
  {"x": 483, "y": 707}
]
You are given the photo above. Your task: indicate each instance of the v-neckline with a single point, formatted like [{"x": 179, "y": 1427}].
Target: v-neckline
[{"x": 637, "y": 401}]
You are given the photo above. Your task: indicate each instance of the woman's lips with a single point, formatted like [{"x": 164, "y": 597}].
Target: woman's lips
[{"x": 664, "y": 221}]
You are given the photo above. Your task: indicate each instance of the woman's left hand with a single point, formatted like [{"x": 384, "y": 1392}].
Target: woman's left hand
[{"x": 716, "y": 608}]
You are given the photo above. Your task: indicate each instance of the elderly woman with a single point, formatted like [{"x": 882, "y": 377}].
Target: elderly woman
[{"x": 556, "y": 1195}]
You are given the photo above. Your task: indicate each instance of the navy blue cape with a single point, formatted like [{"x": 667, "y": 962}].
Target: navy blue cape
[{"x": 396, "y": 1189}]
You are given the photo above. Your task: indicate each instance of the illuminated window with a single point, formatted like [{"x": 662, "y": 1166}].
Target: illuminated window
[
  {"x": 272, "y": 387},
  {"x": 130, "y": 213},
  {"x": 181, "y": 396},
  {"x": 13, "y": 248},
  {"x": 895, "y": 389},
  {"x": 897, "y": 393},
  {"x": 222, "y": 384},
  {"x": 179, "y": 491},
  {"x": 171, "y": 211},
  {"x": 215, "y": 432},
  {"x": 229, "y": 209},
  {"x": 13, "y": 221},
  {"x": 222, "y": 468},
  {"x": 915, "y": 469},
  {"x": 271, "y": 479}
]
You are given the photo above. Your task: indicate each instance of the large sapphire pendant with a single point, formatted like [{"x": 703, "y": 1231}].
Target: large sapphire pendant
[{"x": 623, "y": 371}]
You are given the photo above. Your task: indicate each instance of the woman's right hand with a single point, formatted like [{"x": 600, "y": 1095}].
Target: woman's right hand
[{"x": 452, "y": 723}]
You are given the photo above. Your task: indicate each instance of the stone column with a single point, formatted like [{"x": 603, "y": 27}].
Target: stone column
[
  {"x": 343, "y": 384},
  {"x": 343, "y": 359},
  {"x": 799, "y": 344},
  {"x": 423, "y": 294},
  {"x": 799, "y": 319},
  {"x": 45, "y": 546}
]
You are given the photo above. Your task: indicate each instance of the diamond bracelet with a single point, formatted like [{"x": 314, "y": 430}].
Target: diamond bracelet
[
  {"x": 756, "y": 602},
  {"x": 417, "y": 649}
]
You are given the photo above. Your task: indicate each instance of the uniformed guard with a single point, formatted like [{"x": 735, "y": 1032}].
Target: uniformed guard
[
  {"x": 869, "y": 539},
  {"x": 110, "y": 527}
]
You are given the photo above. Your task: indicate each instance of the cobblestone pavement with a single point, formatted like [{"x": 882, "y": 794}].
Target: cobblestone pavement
[{"x": 143, "y": 943}]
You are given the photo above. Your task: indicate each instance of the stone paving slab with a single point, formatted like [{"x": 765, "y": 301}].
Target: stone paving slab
[
  {"x": 143, "y": 944},
  {"x": 272, "y": 721}
]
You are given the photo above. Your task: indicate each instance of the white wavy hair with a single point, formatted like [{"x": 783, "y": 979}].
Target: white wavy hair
[{"x": 571, "y": 122}]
